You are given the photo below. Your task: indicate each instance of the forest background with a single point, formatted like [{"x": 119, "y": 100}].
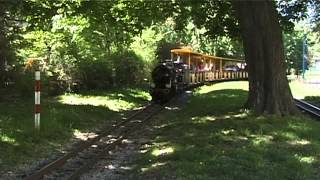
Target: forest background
[{"x": 83, "y": 45}]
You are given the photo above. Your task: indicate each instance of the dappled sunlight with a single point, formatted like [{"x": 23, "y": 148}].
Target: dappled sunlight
[
  {"x": 110, "y": 167},
  {"x": 157, "y": 164},
  {"x": 226, "y": 132},
  {"x": 305, "y": 159},
  {"x": 203, "y": 119},
  {"x": 299, "y": 142},
  {"x": 140, "y": 94},
  {"x": 172, "y": 108},
  {"x": 125, "y": 167},
  {"x": 288, "y": 135},
  {"x": 162, "y": 151},
  {"x": 240, "y": 115},
  {"x": 241, "y": 85},
  {"x": 153, "y": 166},
  {"x": 206, "y": 119},
  {"x": 6, "y": 139},
  {"x": 112, "y": 104},
  {"x": 258, "y": 140},
  {"x": 162, "y": 125},
  {"x": 299, "y": 126},
  {"x": 83, "y": 135}
]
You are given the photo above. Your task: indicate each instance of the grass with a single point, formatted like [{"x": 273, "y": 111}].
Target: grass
[
  {"x": 62, "y": 118},
  {"x": 212, "y": 137},
  {"x": 308, "y": 92},
  {"x": 301, "y": 90}
]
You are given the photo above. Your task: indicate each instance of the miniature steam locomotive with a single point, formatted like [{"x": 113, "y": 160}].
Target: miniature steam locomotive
[{"x": 167, "y": 80}]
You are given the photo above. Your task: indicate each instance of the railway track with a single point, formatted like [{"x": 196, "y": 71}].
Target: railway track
[
  {"x": 307, "y": 107},
  {"x": 78, "y": 161}
]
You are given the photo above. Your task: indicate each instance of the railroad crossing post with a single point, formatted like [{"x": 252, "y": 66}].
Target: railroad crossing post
[{"x": 37, "y": 100}]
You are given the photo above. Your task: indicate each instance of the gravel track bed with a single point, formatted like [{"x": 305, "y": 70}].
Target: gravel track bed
[{"x": 119, "y": 163}]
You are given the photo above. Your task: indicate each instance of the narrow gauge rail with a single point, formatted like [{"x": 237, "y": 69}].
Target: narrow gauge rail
[
  {"x": 307, "y": 107},
  {"x": 86, "y": 154}
]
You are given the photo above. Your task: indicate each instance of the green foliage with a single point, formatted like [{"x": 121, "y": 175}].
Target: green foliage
[
  {"x": 163, "y": 49},
  {"x": 129, "y": 68},
  {"x": 95, "y": 74},
  {"x": 70, "y": 34},
  {"x": 293, "y": 50},
  {"x": 293, "y": 46},
  {"x": 24, "y": 84}
]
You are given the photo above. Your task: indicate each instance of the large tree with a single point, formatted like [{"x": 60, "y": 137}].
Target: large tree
[
  {"x": 259, "y": 26},
  {"x": 268, "y": 85}
]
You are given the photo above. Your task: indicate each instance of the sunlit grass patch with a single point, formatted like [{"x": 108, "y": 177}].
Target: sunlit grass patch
[
  {"x": 299, "y": 142},
  {"x": 305, "y": 159},
  {"x": 243, "y": 85},
  {"x": 125, "y": 99},
  {"x": 105, "y": 101},
  {"x": 6, "y": 139},
  {"x": 301, "y": 90},
  {"x": 137, "y": 93},
  {"x": 162, "y": 151},
  {"x": 259, "y": 140}
]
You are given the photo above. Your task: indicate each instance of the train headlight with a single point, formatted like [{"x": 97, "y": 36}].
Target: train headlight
[
  {"x": 152, "y": 85},
  {"x": 168, "y": 85}
]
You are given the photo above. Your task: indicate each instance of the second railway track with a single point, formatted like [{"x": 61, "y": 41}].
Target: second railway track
[
  {"x": 307, "y": 107},
  {"x": 78, "y": 161}
]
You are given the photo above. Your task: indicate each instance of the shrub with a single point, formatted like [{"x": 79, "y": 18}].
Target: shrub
[
  {"x": 95, "y": 74},
  {"x": 24, "y": 83},
  {"x": 129, "y": 68}
]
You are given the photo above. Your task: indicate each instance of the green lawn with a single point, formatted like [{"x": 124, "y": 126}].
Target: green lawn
[
  {"x": 308, "y": 92},
  {"x": 212, "y": 137},
  {"x": 62, "y": 118},
  {"x": 302, "y": 90}
]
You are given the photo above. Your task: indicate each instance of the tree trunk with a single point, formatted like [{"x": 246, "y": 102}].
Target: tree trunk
[{"x": 269, "y": 90}]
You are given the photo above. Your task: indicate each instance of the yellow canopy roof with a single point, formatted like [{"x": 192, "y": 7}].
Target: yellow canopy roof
[{"x": 188, "y": 51}]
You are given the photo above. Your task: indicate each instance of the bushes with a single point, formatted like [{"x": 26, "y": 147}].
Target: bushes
[
  {"x": 129, "y": 68},
  {"x": 18, "y": 84},
  {"x": 95, "y": 74}
]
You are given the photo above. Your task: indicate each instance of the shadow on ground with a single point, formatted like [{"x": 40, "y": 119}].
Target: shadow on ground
[{"x": 212, "y": 137}]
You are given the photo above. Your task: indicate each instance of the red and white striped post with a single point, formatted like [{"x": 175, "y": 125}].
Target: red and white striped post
[{"x": 37, "y": 100}]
